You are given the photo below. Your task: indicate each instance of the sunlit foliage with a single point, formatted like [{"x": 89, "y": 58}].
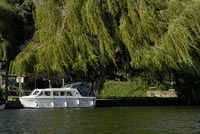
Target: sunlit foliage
[{"x": 84, "y": 34}]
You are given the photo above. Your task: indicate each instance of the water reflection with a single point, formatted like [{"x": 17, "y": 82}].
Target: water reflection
[{"x": 116, "y": 120}]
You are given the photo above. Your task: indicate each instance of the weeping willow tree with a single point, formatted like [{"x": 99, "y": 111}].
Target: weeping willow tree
[
  {"x": 87, "y": 36},
  {"x": 165, "y": 37},
  {"x": 73, "y": 36}
]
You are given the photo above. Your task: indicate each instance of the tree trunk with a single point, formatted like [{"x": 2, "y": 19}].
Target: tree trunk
[
  {"x": 194, "y": 95},
  {"x": 98, "y": 84},
  {"x": 187, "y": 86}
]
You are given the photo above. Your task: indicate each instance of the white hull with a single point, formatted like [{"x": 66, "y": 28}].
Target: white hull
[
  {"x": 73, "y": 95},
  {"x": 2, "y": 106},
  {"x": 45, "y": 102}
]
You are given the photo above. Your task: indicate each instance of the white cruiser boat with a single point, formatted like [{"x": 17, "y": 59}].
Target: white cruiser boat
[{"x": 72, "y": 95}]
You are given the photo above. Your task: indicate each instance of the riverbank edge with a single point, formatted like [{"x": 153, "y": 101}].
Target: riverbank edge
[
  {"x": 149, "y": 101},
  {"x": 144, "y": 101}
]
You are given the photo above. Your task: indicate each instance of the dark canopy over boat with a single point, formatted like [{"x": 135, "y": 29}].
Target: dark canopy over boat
[{"x": 83, "y": 88}]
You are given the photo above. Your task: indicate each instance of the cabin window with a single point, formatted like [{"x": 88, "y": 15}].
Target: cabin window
[
  {"x": 47, "y": 93},
  {"x": 40, "y": 94},
  {"x": 62, "y": 93},
  {"x": 69, "y": 94},
  {"x": 36, "y": 92},
  {"x": 55, "y": 93}
]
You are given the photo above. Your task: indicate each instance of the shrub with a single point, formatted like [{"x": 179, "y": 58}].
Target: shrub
[{"x": 119, "y": 89}]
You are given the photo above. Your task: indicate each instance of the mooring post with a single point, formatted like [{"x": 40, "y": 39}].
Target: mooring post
[
  {"x": 63, "y": 82},
  {"x": 6, "y": 81},
  {"x": 6, "y": 77}
]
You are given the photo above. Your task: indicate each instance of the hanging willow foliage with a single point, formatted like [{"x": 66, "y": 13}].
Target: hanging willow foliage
[
  {"x": 27, "y": 63},
  {"x": 141, "y": 27},
  {"x": 182, "y": 39},
  {"x": 83, "y": 34},
  {"x": 3, "y": 50},
  {"x": 156, "y": 41}
]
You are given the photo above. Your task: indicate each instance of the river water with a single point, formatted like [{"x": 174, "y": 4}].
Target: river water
[{"x": 112, "y": 120}]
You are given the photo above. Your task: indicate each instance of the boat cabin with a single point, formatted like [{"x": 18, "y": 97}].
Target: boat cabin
[{"x": 74, "y": 89}]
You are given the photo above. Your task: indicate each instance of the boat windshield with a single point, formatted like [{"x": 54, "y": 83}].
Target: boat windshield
[
  {"x": 34, "y": 92},
  {"x": 68, "y": 86}
]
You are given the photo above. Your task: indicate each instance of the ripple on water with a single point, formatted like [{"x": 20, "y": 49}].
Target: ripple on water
[{"x": 122, "y": 120}]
